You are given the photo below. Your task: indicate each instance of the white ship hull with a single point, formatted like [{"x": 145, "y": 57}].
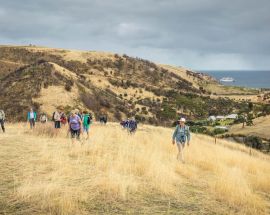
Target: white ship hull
[{"x": 227, "y": 79}]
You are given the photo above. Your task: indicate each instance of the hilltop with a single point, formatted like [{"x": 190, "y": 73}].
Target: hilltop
[
  {"x": 42, "y": 173},
  {"x": 120, "y": 85}
]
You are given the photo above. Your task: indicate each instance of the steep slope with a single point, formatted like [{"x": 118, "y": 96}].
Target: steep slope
[
  {"x": 20, "y": 88},
  {"x": 7, "y": 67},
  {"x": 103, "y": 82}
]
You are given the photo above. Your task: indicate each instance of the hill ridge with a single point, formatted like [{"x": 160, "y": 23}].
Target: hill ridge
[{"x": 123, "y": 86}]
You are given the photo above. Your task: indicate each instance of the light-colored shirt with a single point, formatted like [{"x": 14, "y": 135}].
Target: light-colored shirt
[
  {"x": 74, "y": 122},
  {"x": 57, "y": 116},
  {"x": 32, "y": 116},
  {"x": 2, "y": 115},
  {"x": 181, "y": 134}
]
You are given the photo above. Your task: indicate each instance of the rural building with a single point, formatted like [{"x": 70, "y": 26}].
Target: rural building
[
  {"x": 211, "y": 118},
  {"x": 220, "y": 117},
  {"x": 232, "y": 116}
]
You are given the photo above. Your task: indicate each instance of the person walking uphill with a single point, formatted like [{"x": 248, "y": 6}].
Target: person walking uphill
[
  {"x": 132, "y": 126},
  {"x": 31, "y": 118},
  {"x": 181, "y": 135},
  {"x": 87, "y": 121},
  {"x": 75, "y": 124},
  {"x": 43, "y": 118},
  {"x": 57, "y": 119},
  {"x": 2, "y": 120}
]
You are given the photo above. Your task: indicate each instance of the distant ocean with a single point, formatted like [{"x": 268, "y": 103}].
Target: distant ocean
[{"x": 254, "y": 79}]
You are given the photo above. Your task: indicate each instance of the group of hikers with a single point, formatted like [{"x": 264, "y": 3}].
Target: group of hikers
[
  {"x": 80, "y": 122},
  {"x": 129, "y": 124}
]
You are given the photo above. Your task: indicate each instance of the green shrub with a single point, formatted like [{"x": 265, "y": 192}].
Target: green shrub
[
  {"x": 167, "y": 113},
  {"x": 254, "y": 142},
  {"x": 217, "y": 131},
  {"x": 68, "y": 87},
  {"x": 198, "y": 129}
]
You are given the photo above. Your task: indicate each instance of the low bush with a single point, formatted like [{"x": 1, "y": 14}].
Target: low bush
[{"x": 254, "y": 142}]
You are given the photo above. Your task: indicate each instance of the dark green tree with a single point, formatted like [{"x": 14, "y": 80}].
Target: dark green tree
[{"x": 249, "y": 119}]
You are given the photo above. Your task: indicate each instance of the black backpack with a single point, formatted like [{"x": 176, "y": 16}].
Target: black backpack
[{"x": 89, "y": 120}]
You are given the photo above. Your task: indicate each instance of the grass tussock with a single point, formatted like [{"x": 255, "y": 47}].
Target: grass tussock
[
  {"x": 116, "y": 173},
  {"x": 47, "y": 130}
]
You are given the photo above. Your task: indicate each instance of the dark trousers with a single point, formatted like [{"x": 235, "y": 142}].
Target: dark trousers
[
  {"x": 32, "y": 123},
  {"x": 2, "y": 123},
  {"x": 75, "y": 133},
  {"x": 57, "y": 124}
]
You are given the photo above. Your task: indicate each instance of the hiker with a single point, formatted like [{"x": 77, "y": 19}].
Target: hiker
[
  {"x": 63, "y": 119},
  {"x": 132, "y": 125},
  {"x": 103, "y": 119},
  {"x": 123, "y": 124},
  {"x": 126, "y": 124},
  {"x": 81, "y": 114},
  {"x": 2, "y": 120},
  {"x": 68, "y": 120},
  {"x": 31, "y": 118},
  {"x": 181, "y": 135},
  {"x": 77, "y": 112},
  {"x": 75, "y": 124},
  {"x": 43, "y": 118},
  {"x": 87, "y": 121},
  {"x": 57, "y": 119}
]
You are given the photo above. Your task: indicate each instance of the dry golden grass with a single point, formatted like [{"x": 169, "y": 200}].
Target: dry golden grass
[
  {"x": 83, "y": 56},
  {"x": 252, "y": 98},
  {"x": 208, "y": 84},
  {"x": 54, "y": 96},
  {"x": 181, "y": 72},
  {"x": 115, "y": 173},
  {"x": 64, "y": 71},
  {"x": 11, "y": 62},
  {"x": 231, "y": 91},
  {"x": 68, "y": 55},
  {"x": 260, "y": 128},
  {"x": 132, "y": 92}
]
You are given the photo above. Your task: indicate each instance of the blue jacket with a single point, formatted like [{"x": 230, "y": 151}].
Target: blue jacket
[
  {"x": 35, "y": 116},
  {"x": 132, "y": 125},
  {"x": 181, "y": 134}
]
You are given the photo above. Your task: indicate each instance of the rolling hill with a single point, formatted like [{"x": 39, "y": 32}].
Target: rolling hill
[
  {"x": 121, "y": 86},
  {"x": 260, "y": 128}
]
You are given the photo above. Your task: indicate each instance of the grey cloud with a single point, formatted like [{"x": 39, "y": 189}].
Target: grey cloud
[{"x": 202, "y": 34}]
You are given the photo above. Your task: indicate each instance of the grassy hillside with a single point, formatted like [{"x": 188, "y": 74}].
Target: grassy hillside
[
  {"x": 260, "y": 128},
  {"x": 212, "y": 86},
  {"x": 123, "y": 86},
  {"x": 114, "y": 173}
]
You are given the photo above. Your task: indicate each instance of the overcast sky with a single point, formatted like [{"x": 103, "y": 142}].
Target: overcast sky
[{"x": 198, "y": 34}]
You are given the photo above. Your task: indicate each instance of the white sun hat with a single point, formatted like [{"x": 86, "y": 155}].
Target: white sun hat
[{"x": 182, "y": 120}]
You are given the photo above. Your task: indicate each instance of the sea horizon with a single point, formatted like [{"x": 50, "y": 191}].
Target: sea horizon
[{"x": 243, "y": 78}]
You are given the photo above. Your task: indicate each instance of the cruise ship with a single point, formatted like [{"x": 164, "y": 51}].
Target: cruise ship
[{"x": 227, "y": 79}]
